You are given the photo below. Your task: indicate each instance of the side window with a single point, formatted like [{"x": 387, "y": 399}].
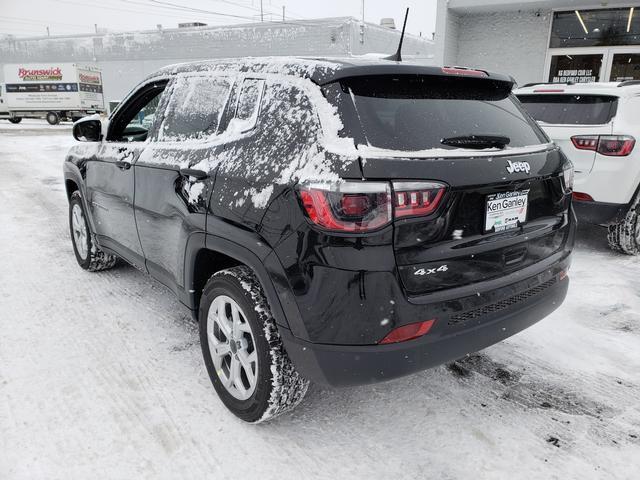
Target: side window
[
  {"x": 195, "y": 108},
  {"x": 134, "y": 120},
  {"x": 248, "y": 106}
]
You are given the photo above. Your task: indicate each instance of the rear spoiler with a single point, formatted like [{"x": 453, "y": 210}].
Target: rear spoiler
[{"x": 407, "y": 69}]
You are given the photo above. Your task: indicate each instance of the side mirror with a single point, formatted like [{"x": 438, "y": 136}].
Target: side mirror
[{"x": 88, "y": 130}]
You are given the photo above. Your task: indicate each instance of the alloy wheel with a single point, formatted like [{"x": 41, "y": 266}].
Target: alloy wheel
[
  {"x": 79, "y": 228},
  {"x": 232, "y": 347}
]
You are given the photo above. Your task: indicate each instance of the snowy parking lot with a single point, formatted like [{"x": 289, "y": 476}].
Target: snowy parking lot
[{"x": 101, "y": 374}]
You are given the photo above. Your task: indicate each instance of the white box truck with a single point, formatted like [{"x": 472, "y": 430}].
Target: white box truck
[{"x": 57, "y": 91}]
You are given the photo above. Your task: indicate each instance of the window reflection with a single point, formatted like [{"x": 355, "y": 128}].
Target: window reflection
[{"x": 592, "y": 28}]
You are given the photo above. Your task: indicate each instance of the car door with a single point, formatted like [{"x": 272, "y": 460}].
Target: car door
[
  {"x": 175, "y": 174},
  {"x": 110, "y": 177}
]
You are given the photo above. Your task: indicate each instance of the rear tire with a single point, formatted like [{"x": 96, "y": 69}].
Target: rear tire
[
  {"x": 88, "y": 255},
  {"x": 15, "y": 119},
  {"x": 624, "y": 236},
  {"x": 53, "y": 118},
  {"x": 254, "y": 376}
]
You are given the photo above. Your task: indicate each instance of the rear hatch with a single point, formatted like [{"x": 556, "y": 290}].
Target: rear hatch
[
  {"x": 567, "y": 115},
  {"x": 504, "y": 205}
]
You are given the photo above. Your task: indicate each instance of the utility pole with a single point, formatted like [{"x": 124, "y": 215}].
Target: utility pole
[
  {"x": 283, "y": 13},
  {"x": 261, "y": 12},
  {"x": 95, "y": 26},
  {"x": 362, "y": 25},
  {"x": 48, "y": 34}
]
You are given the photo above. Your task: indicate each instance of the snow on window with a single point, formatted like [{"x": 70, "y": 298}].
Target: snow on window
[
  {"x": 195, "y": 107},
  {"x": 249, "y": 100}
]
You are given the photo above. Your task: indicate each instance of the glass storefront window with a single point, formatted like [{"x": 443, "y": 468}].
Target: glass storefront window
[
  {"x": 625, "y": 66},
  {"x": 575, "y": 68},
  {"x": 596, "y": 28}
]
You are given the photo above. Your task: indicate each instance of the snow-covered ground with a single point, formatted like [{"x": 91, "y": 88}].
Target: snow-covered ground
[{"x": 101, "y": 375}]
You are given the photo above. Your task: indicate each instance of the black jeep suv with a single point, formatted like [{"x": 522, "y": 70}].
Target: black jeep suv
[{"x": 335, "y": 221}]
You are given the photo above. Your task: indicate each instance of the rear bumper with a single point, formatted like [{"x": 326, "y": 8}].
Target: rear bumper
[
  {"x": 599, "y": 213},
  {"x": 497, "y": 315}
]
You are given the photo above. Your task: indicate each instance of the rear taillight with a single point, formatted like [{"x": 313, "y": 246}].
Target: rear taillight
[
  {"x": 354, "y": 207},
  {"x": 608, "y": 145},
  {"x": 416, "y": 199},
  {"x": 407, "y": 332},
  {"x": 582, "y": 197},
  {"x": 357, "y": 207},
  {"x": 568, "y": 174}
]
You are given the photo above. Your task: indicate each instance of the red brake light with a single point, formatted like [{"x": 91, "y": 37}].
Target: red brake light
[
  {"x": 407, "y": 332},
  {"x": 582, "y": 197},
  {"x": 359, "y": 207},
  {"x": 348, "y": 206},
  {"x": 608, "y": 145},
  {"x": 416, "y": 198},
  {"x": 464, "y": 71}
]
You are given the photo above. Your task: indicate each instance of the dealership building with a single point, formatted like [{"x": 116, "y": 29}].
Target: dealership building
[{"x": 542, "y": 41}]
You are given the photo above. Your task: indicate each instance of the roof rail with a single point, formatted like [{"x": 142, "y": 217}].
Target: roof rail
[
  {"x": 629, "y": 83},
  {"x": 546, "y": 83}
]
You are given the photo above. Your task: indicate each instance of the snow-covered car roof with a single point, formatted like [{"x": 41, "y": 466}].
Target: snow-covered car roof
[
  {"x": 616, "y": 89},
  {"x": 322, "y": 70}
]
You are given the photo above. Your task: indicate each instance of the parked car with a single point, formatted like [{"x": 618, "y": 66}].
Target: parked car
[
  {"x": 342, "y": 222},
  {"x": 597, "y": 125}
]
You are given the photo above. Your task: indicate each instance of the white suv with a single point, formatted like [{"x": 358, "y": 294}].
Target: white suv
[{"x": 596, "y": 125}]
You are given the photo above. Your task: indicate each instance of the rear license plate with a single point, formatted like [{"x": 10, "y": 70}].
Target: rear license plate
[{"x": 506, "y": 210}]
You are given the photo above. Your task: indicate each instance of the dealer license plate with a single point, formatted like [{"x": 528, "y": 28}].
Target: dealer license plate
[{"x": 506, "y": 210}]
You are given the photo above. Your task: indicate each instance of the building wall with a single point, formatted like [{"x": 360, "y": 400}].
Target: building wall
[
  {"x": 379, "y": 39},
  {"x": 126, "y": 58},
  {"x": 514, "y": 43},
  {"x": 447, "y": 28}
]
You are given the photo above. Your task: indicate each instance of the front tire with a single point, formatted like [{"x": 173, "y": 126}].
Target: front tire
[
  {"x": 15, "y": 120},
  {"x": 243, "y": 351},
  {"x": 624, "y": 236},
  {"x": 88, "y": 255}
]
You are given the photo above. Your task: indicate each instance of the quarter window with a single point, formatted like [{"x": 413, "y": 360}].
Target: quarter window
[
  {"x": 248, "y": 105},
  {"x": 195, "y": 107}
]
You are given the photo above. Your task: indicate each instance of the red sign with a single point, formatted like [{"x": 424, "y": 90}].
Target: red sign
[{"x": 51, "y": 74}]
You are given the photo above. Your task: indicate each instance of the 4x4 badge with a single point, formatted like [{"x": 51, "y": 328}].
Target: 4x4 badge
[{"x": 514, "y": 167}]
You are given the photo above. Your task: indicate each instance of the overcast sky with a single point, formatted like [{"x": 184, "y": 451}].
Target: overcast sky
[{"x": 31, "y": 17}]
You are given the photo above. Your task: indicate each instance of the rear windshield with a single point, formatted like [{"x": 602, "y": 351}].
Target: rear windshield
[
  {"x": 417, "y": 112},
  {"x": 571, "y": 109}
]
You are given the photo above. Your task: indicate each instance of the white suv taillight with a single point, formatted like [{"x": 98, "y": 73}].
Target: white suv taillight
[
  {"x": 568, "y": 174},
  {"x": 608, "y": 145},
  {"x": 361, "y": 206}
]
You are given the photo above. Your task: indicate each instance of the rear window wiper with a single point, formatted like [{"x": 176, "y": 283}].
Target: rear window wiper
[{"x": 477, "y": 141}]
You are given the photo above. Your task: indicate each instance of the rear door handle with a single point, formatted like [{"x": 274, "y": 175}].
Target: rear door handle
[{"x": 122, "y": 165}]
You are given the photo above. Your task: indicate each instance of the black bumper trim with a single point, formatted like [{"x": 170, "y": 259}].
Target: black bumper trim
[
  {"x": 599, "y": 213},
  {"x": 345, "y": 365}
]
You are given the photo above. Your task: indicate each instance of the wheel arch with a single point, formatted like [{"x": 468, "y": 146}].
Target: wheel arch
[
  {"x": 70, "y": 186},
  {"x": 207, "y": 254}
]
